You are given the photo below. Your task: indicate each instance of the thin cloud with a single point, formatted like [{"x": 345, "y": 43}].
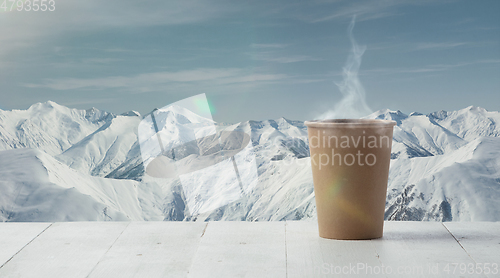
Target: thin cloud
[
  {"x": 367, "y": 10},
  {"x": 283, "y": 59},
  {"x": 115, "y": 50},
  {"x": 95, "y": 15},
  {"x": 273, "y": 53},
  {"x": 489, "y": 61},
  {"x": 151, "y": 81},
  {"x": 100, "y": 60},
  {"x": 364, "y": 12},
  {"x": 424, "y": 46},
  {"x": 438, "y": 45},
  {"x": 428, "y": 69},
  {"x": 268, "y": 45}
]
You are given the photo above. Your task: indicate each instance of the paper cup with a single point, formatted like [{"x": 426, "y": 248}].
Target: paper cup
[{"x": 350, "y": 166}]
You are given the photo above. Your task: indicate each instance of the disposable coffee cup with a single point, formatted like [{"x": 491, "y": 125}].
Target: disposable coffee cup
[{"x": 350, "y": 166}]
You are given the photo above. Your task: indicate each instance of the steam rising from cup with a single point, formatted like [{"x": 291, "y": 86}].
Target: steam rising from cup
[{"x": 353, "y": 104}]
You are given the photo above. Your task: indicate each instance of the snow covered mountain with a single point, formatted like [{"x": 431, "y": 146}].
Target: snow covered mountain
[
  {"x": 48, "y": 126},
  {"x": 445, "y": 166},
  {"x": 37, "y": 187},
  {"x": 101, "y": 151},
  {"x": 62, "y": 164}
]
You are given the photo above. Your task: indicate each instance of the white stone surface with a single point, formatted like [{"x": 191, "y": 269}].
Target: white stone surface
[
  {"x": 245, "y": 249},
  {"x": 241, "y": 249},
  {"x": 308, "y": 255},
  {"x": 152, "y": 249},
  {"x": 69, "y": 249},
  {"x": 481, "y": 241},
  {"x": 15, "y": 236},
  {"x": 417, "y": 249}
]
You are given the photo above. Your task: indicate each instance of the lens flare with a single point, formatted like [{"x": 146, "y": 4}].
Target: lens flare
[
  {"x": 354, "y": 211},
  {"x": 347, "y": 206}
]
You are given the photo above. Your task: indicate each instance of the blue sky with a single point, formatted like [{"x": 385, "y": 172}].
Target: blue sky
[{"x": 254, "y": 60}]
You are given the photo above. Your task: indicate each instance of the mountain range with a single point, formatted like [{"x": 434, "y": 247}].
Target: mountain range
[{"x": 63, "y": 164}]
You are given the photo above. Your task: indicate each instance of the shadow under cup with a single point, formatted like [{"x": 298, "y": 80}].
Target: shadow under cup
[{"x": 350, "y": 165}]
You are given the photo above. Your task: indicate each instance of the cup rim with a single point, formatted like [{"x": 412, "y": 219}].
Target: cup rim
[{"x": 351, "y": 123}]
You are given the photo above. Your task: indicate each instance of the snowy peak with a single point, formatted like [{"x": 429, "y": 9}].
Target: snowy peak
[
  {"x": 469, "y": 123},
  {"x": 419, "y": 135},
  {"x": 386, "y": 114},
  {"x": 48, "y": 105},
  {"x": 131, "y": 113},
  {"x": 95, "y": 115},
  {"x": 438, "y": 115},
  {"x": 175, "y": 114},
  {"x": 475, "y": 109},
  {"x": 48, "y": 126},
  {"x": 50, "y": 108},
  {"x": 470, "y": 110}
]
